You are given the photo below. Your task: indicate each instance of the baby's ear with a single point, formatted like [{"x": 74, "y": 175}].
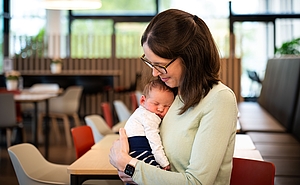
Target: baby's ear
[{"x": 143, "y": 99}]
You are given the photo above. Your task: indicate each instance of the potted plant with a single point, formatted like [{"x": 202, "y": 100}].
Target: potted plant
[
  {"x": 56, "y": 66},
  {"x": 289, "y": 48},
  {"x": 12, "y": 78}
]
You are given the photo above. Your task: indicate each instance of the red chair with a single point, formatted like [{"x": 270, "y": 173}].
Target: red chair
[
  {"x": 134, "y": 103},
  {"x": 107, "y": 114},
  {"x": 83, "y": 139},
  {"x": 250, "y": 172}
]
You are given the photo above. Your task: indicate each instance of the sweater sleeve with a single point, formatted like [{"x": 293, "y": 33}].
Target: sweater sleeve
[
  {"x": 205, "y": 157},
  {"x": 151, "y": 126}
]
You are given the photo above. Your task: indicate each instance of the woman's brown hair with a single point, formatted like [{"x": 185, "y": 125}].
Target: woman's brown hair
[{"x": 175, "y": 33}]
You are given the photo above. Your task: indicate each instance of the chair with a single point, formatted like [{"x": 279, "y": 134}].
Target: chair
[
  {"x": 44, "y": 87},
  {"x": 32, "y": 168},
  {"x": 39, "y": 88},
  {"x": 98, "y": 126},
  {"x": 107, "y": 114},
  {"x": 83, "y": 139},
  {"x": 8, "y": 118},
  {"x": 122, "y": 111},
  {"x": 250, "y": 172},
  {"x": 18, "y": 105},
  {"x": 62, "y": 107},
  {"x": 134, "y": 102}
]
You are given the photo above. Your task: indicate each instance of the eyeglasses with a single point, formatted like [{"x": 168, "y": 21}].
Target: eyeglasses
[{"x": 159, "y": 68}]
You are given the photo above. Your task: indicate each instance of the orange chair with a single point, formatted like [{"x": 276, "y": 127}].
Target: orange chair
[
  {"x": 250, "y": 172},
  {"x": 107, "y": 114},
  {"x": 83, "y": 139},
  {"x": 134, "y": 103}
]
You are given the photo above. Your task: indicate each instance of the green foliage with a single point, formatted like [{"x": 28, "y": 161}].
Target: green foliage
[
  {"x": 33, "y": 45},
  {"x": 289, "y": 48}
]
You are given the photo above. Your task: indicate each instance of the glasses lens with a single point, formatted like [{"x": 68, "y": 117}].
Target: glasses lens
[{"x": 160, "y": 69}]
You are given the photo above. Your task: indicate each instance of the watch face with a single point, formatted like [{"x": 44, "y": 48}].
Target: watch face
[{"x": 129, "y": 170}]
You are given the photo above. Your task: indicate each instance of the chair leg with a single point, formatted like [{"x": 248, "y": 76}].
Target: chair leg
[
  {"x": 55, "y": 129},
  {"x": 8, "y": 137},
  {"x": 76, "y": 119},
  {"x": 67, "y": 130}
]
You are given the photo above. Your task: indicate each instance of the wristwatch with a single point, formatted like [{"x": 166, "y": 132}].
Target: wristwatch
[
  {"x": 130, "y": 167},
  {"x": 129, "y": 170}
]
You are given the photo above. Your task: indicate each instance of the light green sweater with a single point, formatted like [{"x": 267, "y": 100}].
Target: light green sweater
[{"x": 199, "y": 143}]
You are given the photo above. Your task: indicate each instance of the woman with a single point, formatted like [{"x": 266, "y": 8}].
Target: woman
[{"x": 198, "y": 132}]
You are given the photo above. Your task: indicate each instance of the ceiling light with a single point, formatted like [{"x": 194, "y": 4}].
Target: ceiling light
[{"x": 71, "y": 4}]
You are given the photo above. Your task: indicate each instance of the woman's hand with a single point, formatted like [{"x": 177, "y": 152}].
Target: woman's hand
[{"x": 119, "y": 156}]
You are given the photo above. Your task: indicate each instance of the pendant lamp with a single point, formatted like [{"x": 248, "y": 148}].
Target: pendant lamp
[{"x": 71, "y": 4}]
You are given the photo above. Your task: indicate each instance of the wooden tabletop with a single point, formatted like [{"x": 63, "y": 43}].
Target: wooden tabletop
[{"x": 96, "y": 160}]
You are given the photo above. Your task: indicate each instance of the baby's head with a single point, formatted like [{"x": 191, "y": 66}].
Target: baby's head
[{"x": 157, "y": 97}]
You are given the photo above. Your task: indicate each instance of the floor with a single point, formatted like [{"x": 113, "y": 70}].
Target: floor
[{"x": 59, "y": 153}]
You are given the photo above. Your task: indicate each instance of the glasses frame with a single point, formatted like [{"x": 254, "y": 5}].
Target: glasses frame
[{"x": 159, "y": 68}]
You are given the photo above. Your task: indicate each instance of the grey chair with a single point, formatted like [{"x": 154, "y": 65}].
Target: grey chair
[
  {"x": 122, "y": 111},
  {"x": 63, "y": 107},
  {"x": 33, "y": 169},
  {"x": 8, "y": 119}
]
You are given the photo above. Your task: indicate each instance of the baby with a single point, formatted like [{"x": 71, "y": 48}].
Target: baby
[{"x": 142, "y": 128}]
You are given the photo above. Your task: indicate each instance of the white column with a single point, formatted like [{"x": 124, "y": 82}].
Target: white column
[{"x": 53, "y": 31}]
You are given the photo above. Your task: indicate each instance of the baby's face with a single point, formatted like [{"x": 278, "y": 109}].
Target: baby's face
[{"x": 158, "y": 101}]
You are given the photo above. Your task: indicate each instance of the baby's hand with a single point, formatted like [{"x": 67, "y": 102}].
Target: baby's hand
[{"x": 168, "y": 168}]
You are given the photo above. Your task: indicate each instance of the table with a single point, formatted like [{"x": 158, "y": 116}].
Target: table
[
  {"x": 90, "y": 167},
  {"x": 35, "y": 98}
]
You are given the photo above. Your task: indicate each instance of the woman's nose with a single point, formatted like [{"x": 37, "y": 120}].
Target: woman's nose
[{"x": 155, "y": 73}]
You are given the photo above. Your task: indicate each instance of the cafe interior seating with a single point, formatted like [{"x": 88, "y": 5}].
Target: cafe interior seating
[
  {"x": 44, "y": 87},
  {"x": 63, "y": 107},
  {"x": 8, "y": 118},
  {"x": 98, "y": 126},
  {"x": 32, "y": 168},
  {"x": 28, "y": 108},
  {"x": 252, "y": 172},
  {"x": 107, "y": 113},
  {"x": 122, "y": 111},
  {"x": 83, "y": 139}
]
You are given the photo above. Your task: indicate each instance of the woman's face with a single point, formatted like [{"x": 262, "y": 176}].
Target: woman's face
[{"x": 174, "y": 70}]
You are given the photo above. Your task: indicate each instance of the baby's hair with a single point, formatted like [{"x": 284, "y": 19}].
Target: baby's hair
[{"x": 156, "y": 83}]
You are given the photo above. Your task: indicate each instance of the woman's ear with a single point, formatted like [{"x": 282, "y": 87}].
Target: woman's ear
[{"x": 143, "y": 99}]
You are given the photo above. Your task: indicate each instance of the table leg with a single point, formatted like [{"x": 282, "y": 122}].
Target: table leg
[
  {"x": 34, "y": 131},
  {"x": 47, "y": 129}
]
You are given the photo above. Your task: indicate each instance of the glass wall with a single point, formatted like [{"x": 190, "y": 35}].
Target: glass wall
[
  {"x": 115, "y": 29},
  {"x": 1, "y": 35}
]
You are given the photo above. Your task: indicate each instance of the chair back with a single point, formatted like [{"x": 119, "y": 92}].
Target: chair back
[
  {"x": 8, "y": 110},
  {"x": 67, "y": 103},
  {"x": 107, "y": 114},
  {"x": 32, "y": 168},
  {"x": 122, "y": 111},
  {"x": 134, "y": 103},
  {"x": 98, "y": 126},
  {"x": 83, "y": 139},
  {"x": 44, "y": 87},
  {"x": 250, "y": 172}
]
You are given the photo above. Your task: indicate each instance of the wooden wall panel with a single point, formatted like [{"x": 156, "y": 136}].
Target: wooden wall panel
[{"x": 125, "y": 71}]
